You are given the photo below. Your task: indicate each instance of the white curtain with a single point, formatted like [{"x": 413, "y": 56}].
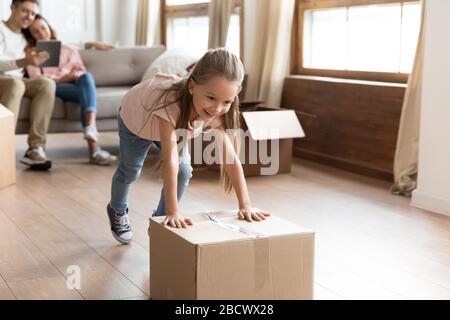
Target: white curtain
[
  {"x": 142, "y": 22},
  {"x": 154, "y": 23},
  {"x": 126, "y": 19},
  {"x": 113, "y": 21},
  {"x": 219, "y": 21},
  {"x": 269, "y": 59},
  {"x": 122, "y": 22},
  {"x": 407, "y": 152}
]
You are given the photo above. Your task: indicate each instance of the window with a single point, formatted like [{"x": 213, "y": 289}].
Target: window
[
  {"x": 362, "y": 39},
  {"x": 185, "y": 23}
]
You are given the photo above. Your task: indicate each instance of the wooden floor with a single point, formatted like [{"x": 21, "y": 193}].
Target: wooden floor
[{"x": 369, "y": 244}]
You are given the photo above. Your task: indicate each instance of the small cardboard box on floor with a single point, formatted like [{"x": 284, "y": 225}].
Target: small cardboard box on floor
[
  {"x": 266, "y": 147},
  {"x": 7, "y": 148},
  {"x": 277, "y": 128},
  {"x": 224, "y": 258}
]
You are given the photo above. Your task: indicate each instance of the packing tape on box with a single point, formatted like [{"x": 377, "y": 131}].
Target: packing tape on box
[
  {"x": 235, "y": 228},
  {"x": 261, "y": 252}
]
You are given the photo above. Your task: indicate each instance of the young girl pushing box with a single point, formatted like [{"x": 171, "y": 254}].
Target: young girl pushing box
[{"x": 155, "y": 111}]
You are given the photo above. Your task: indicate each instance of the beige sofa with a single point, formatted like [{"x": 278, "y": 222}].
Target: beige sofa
[{"x": 115, "y": 72}]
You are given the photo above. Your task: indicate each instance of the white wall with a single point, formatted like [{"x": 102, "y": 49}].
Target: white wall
[
  {"x": 433, "y": 192},
  {"x": 111, "y": 21},
  {"x": 74, "y": 20},
  {"x": 4, "y": 9}
]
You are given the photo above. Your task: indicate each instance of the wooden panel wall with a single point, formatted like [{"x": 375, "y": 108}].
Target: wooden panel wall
[{"x": 351, "y": 125}]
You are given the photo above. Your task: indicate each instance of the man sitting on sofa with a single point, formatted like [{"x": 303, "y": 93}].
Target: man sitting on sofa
[{"x": 13, "y": 58}]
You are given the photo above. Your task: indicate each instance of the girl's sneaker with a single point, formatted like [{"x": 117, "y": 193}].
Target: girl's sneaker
[
  {"x": 102, "y": 158},
  {"x": 91, "y": 133},
  {"x": 120, "y": 225}
]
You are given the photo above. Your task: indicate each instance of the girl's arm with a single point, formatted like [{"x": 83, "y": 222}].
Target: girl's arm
[
  {"x": 233, "y": 168},
  {"x": 170, "y": 175}
]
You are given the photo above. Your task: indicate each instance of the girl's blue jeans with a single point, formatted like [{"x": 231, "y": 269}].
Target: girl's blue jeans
[
  {"x": 133, "y": 152},
  {"x": 81, "y": 91}
]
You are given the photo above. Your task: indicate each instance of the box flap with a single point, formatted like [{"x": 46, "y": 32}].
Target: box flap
[
  {"x": 227, "y": 227},
  {"x": 267, "y": 125}
]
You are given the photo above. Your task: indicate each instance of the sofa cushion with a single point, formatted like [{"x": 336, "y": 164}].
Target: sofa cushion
[
  {"x": 108, "y": 103},
  {"x": 120, "y": 67},
  {"x": 25, "y": 106},
  {"x": 174, "y": 61}
]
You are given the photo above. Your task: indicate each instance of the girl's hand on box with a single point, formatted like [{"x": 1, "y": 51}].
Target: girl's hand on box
[
  {"x": 252, "y": 214},
  {"x": 177, "y": 221}
]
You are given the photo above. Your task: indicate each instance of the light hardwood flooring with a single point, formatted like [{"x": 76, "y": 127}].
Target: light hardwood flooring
[{"x": 369, "y": 244}]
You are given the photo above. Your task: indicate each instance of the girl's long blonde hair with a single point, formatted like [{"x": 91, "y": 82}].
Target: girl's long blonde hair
[{"x": 216, "y": 62}]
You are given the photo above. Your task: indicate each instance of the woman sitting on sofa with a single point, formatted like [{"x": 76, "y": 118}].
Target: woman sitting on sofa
[{"x": 73, "y": 84}]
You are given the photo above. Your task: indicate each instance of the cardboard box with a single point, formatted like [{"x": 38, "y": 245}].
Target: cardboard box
[
  {"x": 276, "y": 127},
  {"x": 231, "y": 259},
  {"x": 7, "y": 148},
  {"x": 266, "y": 146}
]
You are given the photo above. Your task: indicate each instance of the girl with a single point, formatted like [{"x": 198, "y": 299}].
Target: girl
[
  {"x": 73, "y": 84},
  {"x": 154, "y": 111}
]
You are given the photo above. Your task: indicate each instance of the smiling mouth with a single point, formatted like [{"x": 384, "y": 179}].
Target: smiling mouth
[{"x": 209, "y": 114}]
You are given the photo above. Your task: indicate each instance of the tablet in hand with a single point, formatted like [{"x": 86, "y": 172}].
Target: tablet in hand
[{"x": 53, "y": 47}]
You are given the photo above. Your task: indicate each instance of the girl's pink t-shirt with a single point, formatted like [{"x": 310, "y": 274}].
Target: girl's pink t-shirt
[
  {"x": 69, "y": 61},
  {"x": 141, "y": 110}
]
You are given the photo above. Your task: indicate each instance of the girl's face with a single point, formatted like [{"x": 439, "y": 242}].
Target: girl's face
[
  {"x": 40, "y": 30},
  {"x": 214, "y": 98}
]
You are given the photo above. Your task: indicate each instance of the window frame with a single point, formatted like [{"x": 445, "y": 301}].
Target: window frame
[
  {"x": 297, "y": 43},
  {"x": 197, "y": 10}
]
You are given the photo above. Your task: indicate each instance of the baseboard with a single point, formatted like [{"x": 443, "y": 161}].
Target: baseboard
[
  {"x": 430, "y": 203},
  {"x": 359, "y": 168}
]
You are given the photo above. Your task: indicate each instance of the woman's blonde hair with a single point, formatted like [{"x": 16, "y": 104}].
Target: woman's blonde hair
[{"x": 215, "y": 62}]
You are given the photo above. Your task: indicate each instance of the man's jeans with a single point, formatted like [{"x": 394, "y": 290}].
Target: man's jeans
[
  {"x": 133, "y": 152},
  {"x": 81, "y": 91}
]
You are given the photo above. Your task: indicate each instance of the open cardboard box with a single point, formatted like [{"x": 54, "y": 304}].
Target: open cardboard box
[
  {"x": 223, "y": 258},
  {"x": 275, "y": 127},
  {"x": 266, "y": 146}
]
